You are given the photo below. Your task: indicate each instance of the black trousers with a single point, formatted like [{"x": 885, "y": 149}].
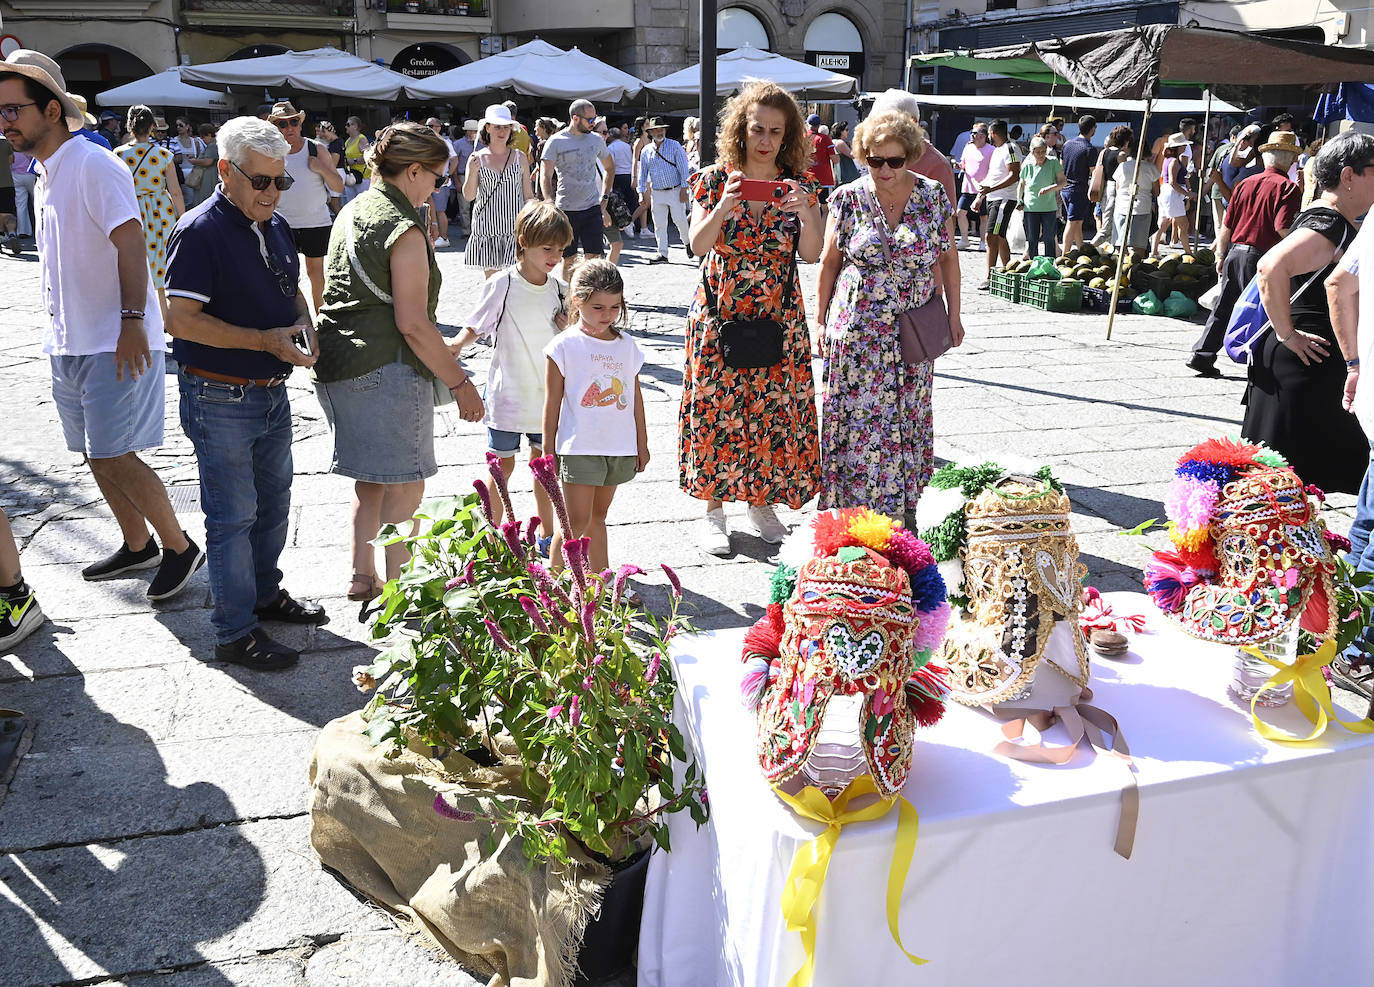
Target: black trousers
[{"x": 1236, "y": 272}]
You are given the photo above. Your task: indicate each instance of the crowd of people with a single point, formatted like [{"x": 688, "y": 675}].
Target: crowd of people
[{"x": 321, "y": 253}]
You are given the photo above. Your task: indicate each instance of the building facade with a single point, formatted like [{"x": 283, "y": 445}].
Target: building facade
[{"x": 105, "y": 43}]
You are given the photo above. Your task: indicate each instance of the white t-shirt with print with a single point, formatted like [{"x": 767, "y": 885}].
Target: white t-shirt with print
[
  {"x": 1144, "y": 198},
  {"x": 598, "y": 413},
  {"x": 999, "y": 170},
  {"x": 515, "y": 378}
]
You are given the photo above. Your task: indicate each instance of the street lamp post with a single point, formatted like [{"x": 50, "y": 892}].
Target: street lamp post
[{"x": 706, "y": 132}]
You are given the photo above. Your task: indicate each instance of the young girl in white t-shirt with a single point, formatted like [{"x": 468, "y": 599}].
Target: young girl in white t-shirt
[
  {"x": 593, "y": 410},
  {"x": 521, "y": 309}
]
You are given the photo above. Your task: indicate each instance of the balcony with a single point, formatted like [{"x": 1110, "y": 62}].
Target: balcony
[
  {"x": 446, "y": 16},
  {"x": 330, "y": 14}
]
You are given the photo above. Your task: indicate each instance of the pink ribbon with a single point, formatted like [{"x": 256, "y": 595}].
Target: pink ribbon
[{"x": 1097, "y": 615}]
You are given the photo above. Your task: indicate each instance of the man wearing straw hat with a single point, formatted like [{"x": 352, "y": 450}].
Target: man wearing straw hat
[
  {"x": 104, "y": 330},
  {"x": 1260, "y": 214},
  {"x": 305, "y": 205}
]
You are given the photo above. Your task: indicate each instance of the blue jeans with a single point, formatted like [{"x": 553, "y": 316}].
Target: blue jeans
[
  {"x": 1041, "y": 226},
  {"x": 242, "y": 438},
  {"x": 1361, "y": 554}
]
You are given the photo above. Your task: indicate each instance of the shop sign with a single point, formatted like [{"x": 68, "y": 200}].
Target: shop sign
[
  {"x": 834, "y": 62},
  {"x": 422, "y": 61}
]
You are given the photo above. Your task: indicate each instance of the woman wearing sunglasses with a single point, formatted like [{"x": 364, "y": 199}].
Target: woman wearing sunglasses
[
  {"x": 886, "y": 234},
  {"x": 383, "y": 363}
]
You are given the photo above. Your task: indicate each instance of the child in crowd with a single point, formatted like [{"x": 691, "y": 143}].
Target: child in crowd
[
  {"x": 593, "y": 409},
  {"x": 522, "y": 310}
]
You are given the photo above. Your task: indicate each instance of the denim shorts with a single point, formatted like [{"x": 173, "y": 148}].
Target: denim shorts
[
  {"x": 507, "y": 444},
  {"x": 383, "y": 424},
  {"x": 103, "y": 417},
  {"x": 1077, "y": 204},
  {"x": 597, "y": 471}
]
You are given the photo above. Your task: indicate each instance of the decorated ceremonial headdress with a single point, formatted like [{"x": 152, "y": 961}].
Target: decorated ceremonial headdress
[
  {"x": 1251, "y": 555},
  {"x": 1011, "y": 562},
  {"x": 839, "y": 666}
]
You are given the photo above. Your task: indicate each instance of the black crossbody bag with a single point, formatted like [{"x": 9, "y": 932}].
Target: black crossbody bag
[{"x": 752, "y": 344}]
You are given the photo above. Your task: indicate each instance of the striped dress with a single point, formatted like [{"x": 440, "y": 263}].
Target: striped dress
[{"x": 500, "y": 194}]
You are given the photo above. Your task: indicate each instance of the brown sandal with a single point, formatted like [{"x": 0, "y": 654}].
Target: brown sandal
[{"x": 374, "y": 588}]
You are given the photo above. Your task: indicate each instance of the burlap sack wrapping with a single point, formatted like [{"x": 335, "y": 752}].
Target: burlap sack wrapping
[{"x": 372, "y": 821}]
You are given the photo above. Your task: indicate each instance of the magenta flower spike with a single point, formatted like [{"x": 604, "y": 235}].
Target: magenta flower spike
[
  {"x": 655, "y": 663},
  {"x": 531, "y": 529},
  {"x": 499, "y": 639},
  {"x": 510, "y": 530},
  {"x": 539, "y": 574},
  {"x": 532, "y": 611},
  {"x": 573, "y": 555},
  {"x": 485, "y": 496},
  {"x": 626, "y": 571},
  {"x": 499, "y": 476},
  {"x": 449, "y": 812},
  {"x": 554, "y": 712},
  {"x": 574, "y": 713},
  {"x": 588, "y": 625},
  {"x": 547, "y": 477},
  {"x": 672, "y": 579},
  {"x": 455, "y": 582}
]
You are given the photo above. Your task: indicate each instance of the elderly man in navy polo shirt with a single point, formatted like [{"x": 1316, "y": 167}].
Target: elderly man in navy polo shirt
[{"x": 240, "y": 323}]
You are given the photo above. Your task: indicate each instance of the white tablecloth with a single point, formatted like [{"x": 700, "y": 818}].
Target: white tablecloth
[{"x": 1251, "y": 862}]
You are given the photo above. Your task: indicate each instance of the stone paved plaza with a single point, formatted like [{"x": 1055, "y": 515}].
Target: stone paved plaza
[{"x": 157, "y": 831}]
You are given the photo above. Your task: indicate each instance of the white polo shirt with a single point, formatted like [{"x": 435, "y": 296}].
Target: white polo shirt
[{"x": 83, "y": 194}]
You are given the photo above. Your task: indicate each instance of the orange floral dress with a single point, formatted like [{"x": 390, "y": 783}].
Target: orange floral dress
[{"x": 748, "y": 435}]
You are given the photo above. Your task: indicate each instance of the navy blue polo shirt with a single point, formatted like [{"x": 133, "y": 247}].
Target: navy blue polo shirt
[
  {"x": 241, "y": 272},
  {"x": 1079, "y": 156}
]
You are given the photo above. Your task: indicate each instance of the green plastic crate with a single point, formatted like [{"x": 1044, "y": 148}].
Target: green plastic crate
[
  {"x": 1006, "y": 285},
  {"x": 1064, "y": 295}
]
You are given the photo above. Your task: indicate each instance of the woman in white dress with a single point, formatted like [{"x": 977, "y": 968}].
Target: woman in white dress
[{"x": 1173, "y": 194}]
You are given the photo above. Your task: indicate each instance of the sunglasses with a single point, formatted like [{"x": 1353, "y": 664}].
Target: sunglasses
[
  {"x": 260, "y": 182},
  {"x": 287, "y": 124},
  {"x": 874, "y": 163},
  {"x": 439, "y": 180}
]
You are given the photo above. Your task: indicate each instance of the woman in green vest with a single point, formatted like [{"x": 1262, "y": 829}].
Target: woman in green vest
[{"x": 383, "y": 363}]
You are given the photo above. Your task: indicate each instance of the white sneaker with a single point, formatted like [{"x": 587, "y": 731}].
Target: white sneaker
[
  {"x": 440, "y": 242},
  {"x": 765, "y": 524},
  {"x": 714, "y": 537}
]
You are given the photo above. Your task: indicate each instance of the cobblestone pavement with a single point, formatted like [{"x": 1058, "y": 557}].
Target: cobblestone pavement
[{"x": 157, "y": 831}]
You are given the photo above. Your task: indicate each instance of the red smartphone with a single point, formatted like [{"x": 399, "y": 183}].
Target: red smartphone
[{"x": 753, "y": 190}]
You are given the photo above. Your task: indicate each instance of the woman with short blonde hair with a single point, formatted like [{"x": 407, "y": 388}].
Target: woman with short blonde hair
[
  {"x": 885, "y": 236},
  {"x": 382, "y": 360},
  {"x": 749, "y": 433}
]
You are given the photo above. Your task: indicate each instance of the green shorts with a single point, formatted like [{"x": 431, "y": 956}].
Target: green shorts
[{"x": 597, "y": 471}]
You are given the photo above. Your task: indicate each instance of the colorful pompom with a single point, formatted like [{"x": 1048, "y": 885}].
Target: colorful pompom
[
  {"x": 1217, "y": 474},
  {"x": 1189, "y": 538},
  {"x": 765, "y": 637},
  {"x": 781, "y": 584},
  {"x": 1189, "y": 502},
  {"x": 1168, "y": 579},
  {"x": 872, "y": 529},
  {"x": 830, "y": 532},
  {"x": 927, "y": 588},
  {"x": 1225, "y": 451},
  {"x": 926, "y": 692},
  {"x": 754, "y": 682},
  {"x": 931, "y": 629},
  {"x": 909, "y": 552}
]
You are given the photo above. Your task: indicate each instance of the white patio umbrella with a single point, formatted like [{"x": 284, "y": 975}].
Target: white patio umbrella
[
  {"x": 164, "y": 89},
  {"x": 535, "y": 68},
  {"x": 321, "y": 70},
  {"x": 735, "y": 68}
]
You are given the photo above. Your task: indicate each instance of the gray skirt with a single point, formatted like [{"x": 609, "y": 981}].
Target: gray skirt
[{"x": 383, "y": 425}]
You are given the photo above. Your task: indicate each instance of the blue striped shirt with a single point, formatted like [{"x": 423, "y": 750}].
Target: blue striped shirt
[{"x": 663, "y": 167}]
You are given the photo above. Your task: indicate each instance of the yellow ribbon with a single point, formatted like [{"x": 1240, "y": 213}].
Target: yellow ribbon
[
  {"x": 807, "y": 876},
  {"x": 1310, "y": 692}
]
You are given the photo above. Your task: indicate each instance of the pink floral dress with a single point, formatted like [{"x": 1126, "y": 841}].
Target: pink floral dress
[{"x": 877, "y": 430}]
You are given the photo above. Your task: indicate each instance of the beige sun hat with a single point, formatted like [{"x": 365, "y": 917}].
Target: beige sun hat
[
  {"x": 284, "y": 110},
  {"x": 43, "y": 70},
  {"x": 1282, "y": 140},
  {"x": 471, "y": 125},
  {"x": 80, "y": 102},
  {"x": 1177, "y": 140}
]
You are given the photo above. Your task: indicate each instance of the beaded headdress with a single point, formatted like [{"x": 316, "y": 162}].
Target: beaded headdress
[
  {"x": 1250, "y": 553},
  {"x": 854, "y": 620}
]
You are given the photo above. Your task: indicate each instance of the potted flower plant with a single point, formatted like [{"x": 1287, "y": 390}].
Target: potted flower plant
[{"x": 560, "y": 674}]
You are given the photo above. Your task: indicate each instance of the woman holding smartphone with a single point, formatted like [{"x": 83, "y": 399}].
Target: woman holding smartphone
[{"x": 750, "y": 434}]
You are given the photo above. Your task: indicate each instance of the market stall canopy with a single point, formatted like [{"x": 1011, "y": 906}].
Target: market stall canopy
[
  {"x": 1134, "y": 63},
  {"x": 736, "y": 68},
  {"x": 535, "y": 68},
  {"x": 1069, "y": 101},
  {"x": 164, "y": 89},
  {"x": 320, "y": 70}
]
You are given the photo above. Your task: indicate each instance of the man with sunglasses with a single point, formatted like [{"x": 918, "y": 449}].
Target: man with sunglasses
[
  {"x": 305, "y": 204},
  {"x": 240, "y": 323},
  {"x": 583, "y": 188}
]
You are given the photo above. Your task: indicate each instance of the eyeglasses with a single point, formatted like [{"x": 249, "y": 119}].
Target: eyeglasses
[
  {"x": 260, "y": 182},
  {"x": 874, "y": 163},
  {"x": 10, "y": 111}
]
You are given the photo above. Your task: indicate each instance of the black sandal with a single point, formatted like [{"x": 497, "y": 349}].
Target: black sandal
[{"x": 290, "y": 611}]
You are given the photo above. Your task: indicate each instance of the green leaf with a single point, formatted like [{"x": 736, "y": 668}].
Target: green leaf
[
  {"x": 661, "y": 838},
  {"x": 1142, "y": 527}
]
